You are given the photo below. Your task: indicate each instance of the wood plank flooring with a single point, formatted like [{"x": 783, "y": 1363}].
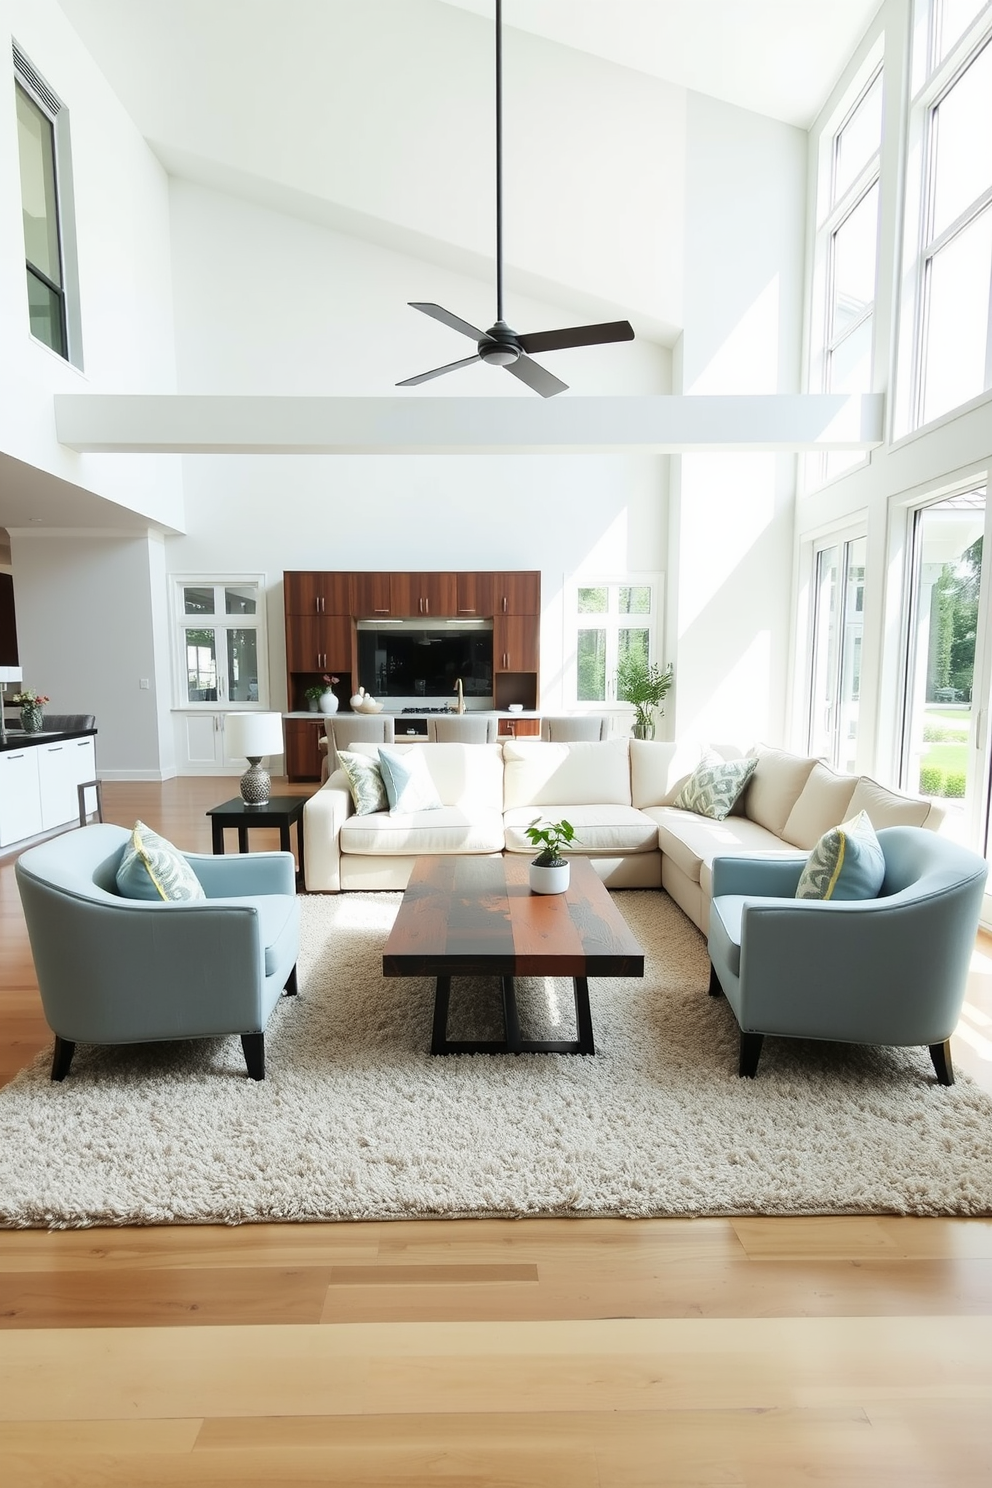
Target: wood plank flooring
[{"x": 489, "y": 1354}]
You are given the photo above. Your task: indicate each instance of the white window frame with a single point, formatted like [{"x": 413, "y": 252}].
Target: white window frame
[
  {"x": 219, "y": 621},
  {"x": 932, "y": 81},
  {"x": 41, "y": 95},
  {"x": 831, "y": 215},
  {"x": 574, "y": 622}
]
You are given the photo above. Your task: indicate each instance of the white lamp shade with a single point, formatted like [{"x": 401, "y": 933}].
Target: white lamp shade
[
  {"x": 11, "y": 674},
  {"x": 251, "y": 735}
]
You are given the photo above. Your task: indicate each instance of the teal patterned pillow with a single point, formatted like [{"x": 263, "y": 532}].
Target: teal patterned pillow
[
  {"x": 152, "y": 868},
  {"x": 408, "y": 782},
  {"x": 714, "y": 785},
  {"x": 846, "y": 863},
  {"x": 368, "y": 790}
]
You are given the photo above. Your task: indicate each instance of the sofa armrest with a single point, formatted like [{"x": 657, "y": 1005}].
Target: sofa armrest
[
  {"x": 245, "y": 874},
  {"x": 323, "y": 817},
  {"x": 776, "y": 878}
]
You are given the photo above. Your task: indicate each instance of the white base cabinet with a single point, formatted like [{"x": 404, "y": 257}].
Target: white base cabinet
[{"x": 38, "y": 786}]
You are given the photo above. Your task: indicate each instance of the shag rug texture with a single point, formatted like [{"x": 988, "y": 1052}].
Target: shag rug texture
[{"x": 356, "y": 1120}]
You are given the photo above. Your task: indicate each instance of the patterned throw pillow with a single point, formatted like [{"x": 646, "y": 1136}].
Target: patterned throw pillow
[
  {"x": 846, "y": 863},
  {"x": 409, "y": 786},
  {"x": 714, "y": 785},
  {"x": 152, "y": 868},
  {"x": 368, "y": 790}
]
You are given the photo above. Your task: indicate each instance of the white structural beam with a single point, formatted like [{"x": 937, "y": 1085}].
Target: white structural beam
[{"x": 177, "y": 424}]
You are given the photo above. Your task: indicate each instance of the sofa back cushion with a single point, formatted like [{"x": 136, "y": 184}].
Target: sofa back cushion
[
  {"x": 889, "y": 808},
  {"x": 586, "y": 773},
  {"x": 659, "y": 770},
  {"x": 775, "y": 787},
  {"x": 823, "y": 802},
  {"x": 467, "y": 775}
]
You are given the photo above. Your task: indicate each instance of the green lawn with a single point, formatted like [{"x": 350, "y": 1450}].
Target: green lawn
[{"x": 949, "y": 756}]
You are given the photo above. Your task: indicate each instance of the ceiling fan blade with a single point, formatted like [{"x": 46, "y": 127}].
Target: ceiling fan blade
[
  {"x": 438, "y": 312},
  {"x": 438, "y": 371},
  {"x": 538, "y": 378},
  {"x": 589, "y": 335}
]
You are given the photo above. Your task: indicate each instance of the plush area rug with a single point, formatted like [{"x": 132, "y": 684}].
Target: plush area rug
[{"x": 357, "y": 1121}]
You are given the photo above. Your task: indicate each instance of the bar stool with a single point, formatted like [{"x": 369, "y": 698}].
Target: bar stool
[{"x": 81, "y": 789}]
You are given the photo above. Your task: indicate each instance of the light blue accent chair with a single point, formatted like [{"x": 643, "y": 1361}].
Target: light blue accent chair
[
  {"x": 122, "y": 971},
  {"x": 891, "y": 970}
]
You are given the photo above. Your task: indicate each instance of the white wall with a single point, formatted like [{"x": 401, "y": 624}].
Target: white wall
[
  {"x": 731, "y": 514},
  {"x": 329, "y": 314},
  {"x": 121, "y": 198},
  {"x": 86, "y": 616}
]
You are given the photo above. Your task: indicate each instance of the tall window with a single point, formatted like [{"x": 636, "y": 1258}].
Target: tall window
[
  {"x": 846, "y": 261},
  {"x": 939, "y": 754},
  {"x": 611, "y": 621},
  {"x": 953, "y": 361},
  {"x": 838, "y": 623},
  {"x": 43, "y": 151},
  {"x": 220, "y": 642}
]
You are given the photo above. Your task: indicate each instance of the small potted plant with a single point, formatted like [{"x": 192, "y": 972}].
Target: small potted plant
[
  {"x": 320, "y": 696},
  {"x": 549, "y": 870},
  {"x": 646, "y": 685},
  {"x": 31, "y": 704}
]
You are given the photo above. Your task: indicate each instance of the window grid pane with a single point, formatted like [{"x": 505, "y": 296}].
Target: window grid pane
[
  {"x": 593, "y": 601},
  {"x": 201, "y": 666},
  {"x": 591, "y": 659},
  {"x": 962, "y": 155},
  {"x": 858, "y": 141},
  {"x": 36, "y": 148},
  {"x": 855, "y": 248},
  {"x": 956, "y": 348}
]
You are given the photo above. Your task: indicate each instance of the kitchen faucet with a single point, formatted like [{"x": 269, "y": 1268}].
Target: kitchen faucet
[{"x": 461, "y": 696}]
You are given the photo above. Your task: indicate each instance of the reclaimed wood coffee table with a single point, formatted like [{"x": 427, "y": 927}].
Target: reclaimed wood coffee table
[{"x": 473, "y": 916}]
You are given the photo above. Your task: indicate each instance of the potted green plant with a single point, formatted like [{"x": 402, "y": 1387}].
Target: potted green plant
[
  {"x": 549, "y": 870},
  {"x": 646, "y": 685}
]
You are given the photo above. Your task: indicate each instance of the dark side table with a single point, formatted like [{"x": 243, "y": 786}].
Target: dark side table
[{"x": 278, "y": 811}]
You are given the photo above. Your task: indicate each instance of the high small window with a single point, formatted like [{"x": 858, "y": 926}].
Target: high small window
[
  {"x": 952, "y": 361},
  {"x": 846, "y": 260},
  {"x": 46, "y": 210}
]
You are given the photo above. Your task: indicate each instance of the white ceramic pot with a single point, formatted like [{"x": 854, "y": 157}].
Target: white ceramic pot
[
  {"x": 553, "y": 880},
  {"x": 327, "y": 702}
]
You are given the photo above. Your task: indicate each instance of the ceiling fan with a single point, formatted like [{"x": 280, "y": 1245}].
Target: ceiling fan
[{"x": 501, "y": 346}]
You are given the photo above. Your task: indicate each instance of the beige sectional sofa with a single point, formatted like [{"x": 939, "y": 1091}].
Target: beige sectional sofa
[{"x": 617, "y": 793}]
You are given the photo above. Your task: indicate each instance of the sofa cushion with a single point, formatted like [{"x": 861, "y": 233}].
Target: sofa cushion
[
  {"x": 823, "y": 801},
  {"x": 846, "y": 863},
  {"x": 692, "y": 842},
  {"x": 715, "y": 785},
  {"x": 151, "y": 868},
  {"x": 658, "y": 770},
  {"x": 449, "y": 829},
  {"x": 888, "y": 808},
  {"x": 465, "y": 775},
  {"x": 774, "y": 787},
  {"x": 598, "y": 829},
  {"x": 408, "y": 782},
  {"x": 543, "y": 774},
  {"x": 368, "y": 789}
]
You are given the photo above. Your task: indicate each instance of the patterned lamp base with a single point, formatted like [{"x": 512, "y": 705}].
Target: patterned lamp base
[{"x": 256, "y": 784}]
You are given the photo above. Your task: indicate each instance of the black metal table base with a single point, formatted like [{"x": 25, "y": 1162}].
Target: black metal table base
[{"x": 513, "y": 1042}]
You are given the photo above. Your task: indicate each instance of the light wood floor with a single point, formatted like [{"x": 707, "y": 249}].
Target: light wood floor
[{"x": 573, "y": 1353}]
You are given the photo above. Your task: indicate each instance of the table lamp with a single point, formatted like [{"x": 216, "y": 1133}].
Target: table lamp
[
  {"x": 252, "y": 735},
  {"x": 7, "y": 674}
]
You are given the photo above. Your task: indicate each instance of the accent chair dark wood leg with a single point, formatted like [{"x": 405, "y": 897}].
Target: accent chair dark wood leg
[
  {"x": 750, "y": 1054},
  {"x": 62, "y": 1058},
  {"x": 254, "y": 1047},
  {"x": 715, "y": 990},
  {"x": 941, "y": 1056},
  {"x": 291, "y": 988}
]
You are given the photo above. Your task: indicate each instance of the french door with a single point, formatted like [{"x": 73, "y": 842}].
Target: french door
[
  {"x": 945, "y": 710},
  {"x": 835, "y": 673}
]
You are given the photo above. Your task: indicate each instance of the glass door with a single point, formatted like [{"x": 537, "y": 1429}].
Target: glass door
[
  {"x": 838, "y": 621},
  {"x": 944, "y": 746}
]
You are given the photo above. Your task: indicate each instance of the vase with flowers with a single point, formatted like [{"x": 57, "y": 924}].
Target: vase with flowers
[
  {"x": 321, "y": 696},
  {"x": 32, "y": 706}
]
